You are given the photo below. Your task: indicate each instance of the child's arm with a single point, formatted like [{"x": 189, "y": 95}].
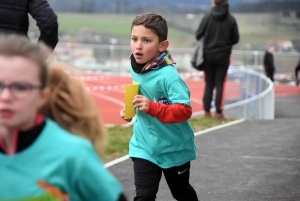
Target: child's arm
[{"x": 174, "y": 113}]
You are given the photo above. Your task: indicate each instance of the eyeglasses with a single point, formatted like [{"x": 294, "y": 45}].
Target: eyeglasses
[{"x": 18, "y": 89}]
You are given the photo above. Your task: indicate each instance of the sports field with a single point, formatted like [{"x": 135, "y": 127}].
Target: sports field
[
  {"x": 255, "y": 29},
  {"x": 108, "y": 92}
]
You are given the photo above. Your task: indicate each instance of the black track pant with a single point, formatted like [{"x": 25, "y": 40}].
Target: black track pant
[
  {"x": 297, "y": 71},
  {"x": 270, "y": 74},
  {"x": 215, "y": 69},
  {"x": 147, "y": 176}
]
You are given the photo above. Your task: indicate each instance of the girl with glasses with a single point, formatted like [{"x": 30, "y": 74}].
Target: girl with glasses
[{"x": 50, "y": 130}]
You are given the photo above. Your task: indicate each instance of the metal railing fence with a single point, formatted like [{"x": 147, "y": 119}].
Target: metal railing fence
[
  {"x": 105, "y": 58},
  {"x": 256, "y": 95},
  {"x": 256, "y": 91}
]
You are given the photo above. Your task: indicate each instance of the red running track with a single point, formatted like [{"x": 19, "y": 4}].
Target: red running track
[{"x": 108, "y": 92}]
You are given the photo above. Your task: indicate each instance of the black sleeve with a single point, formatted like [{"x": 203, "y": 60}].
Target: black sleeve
[
  {"x": 265, "y": 60},
  {"x": 122, "y": 198},
  {"x": 46, "y": 20},
  {"x": 201, "y": 29},
  {"x": 269, "y": 61},
  {"x": 272, "y": 65},
  {"x": 235, "y": 33},
  {"x": 298, "y": 66}
]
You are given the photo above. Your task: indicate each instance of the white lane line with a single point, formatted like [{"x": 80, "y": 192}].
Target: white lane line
[
  {"x": 195, "y": 100},
  {"x": 114, "y": 100},
  {"x": 219, "y": 127},
  {"x": 120, "y": 91},
  {"x": 116, "y": 161},
  {"x": 123, "y": 158},
  {"x": 105, "y": 88}
]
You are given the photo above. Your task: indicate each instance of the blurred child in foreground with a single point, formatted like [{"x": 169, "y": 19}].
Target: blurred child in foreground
[{"x": 40, "y": 157}]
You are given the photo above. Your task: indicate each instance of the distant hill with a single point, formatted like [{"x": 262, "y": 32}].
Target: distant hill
[{"x": 174, "y": 2}]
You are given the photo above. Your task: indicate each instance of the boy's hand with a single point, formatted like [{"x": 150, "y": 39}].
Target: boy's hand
[
  {"x": 122, "y": 114},
  {"x": 141, "y": 102}
]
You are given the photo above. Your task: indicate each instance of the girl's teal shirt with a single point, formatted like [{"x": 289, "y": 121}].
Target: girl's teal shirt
[{"x": 65, "y": 163}]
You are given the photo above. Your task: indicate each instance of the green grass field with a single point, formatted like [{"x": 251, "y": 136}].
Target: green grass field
[
  {"x": 254, "y": 28},
  {"x": 119, "y": 25}
]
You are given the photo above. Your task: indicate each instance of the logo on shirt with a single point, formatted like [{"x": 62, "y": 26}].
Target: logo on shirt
[
  {"x": 54, "y": 191},
  {"x": 52, "y": 194},
  {"x": 163, "y": 100}
]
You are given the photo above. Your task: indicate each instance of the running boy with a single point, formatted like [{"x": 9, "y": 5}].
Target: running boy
[{"x": 163, "y": 140}]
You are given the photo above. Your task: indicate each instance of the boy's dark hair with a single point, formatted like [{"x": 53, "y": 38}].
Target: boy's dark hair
[
  {"x": 155, "y": 22},
  {"x": 221, "y": 2}
]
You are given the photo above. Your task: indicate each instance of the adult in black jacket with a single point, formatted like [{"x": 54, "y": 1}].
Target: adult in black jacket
[
  {"x": 297, "y": 71},
  {"x": 14, "y": 19},
  {"x": 269, "y": 62},
  {"x": 220, "y": 31}
]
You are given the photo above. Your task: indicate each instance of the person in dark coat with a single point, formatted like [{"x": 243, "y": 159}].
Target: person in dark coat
[
  {"x": 297, "y": 71},
  {"x": 269, "y": 66},
  {"x": 220, "y": 32},
  {"x": 14, "y": 19}
]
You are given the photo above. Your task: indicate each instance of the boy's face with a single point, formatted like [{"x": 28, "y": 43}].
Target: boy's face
[{"x": 145, "y": 44}]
